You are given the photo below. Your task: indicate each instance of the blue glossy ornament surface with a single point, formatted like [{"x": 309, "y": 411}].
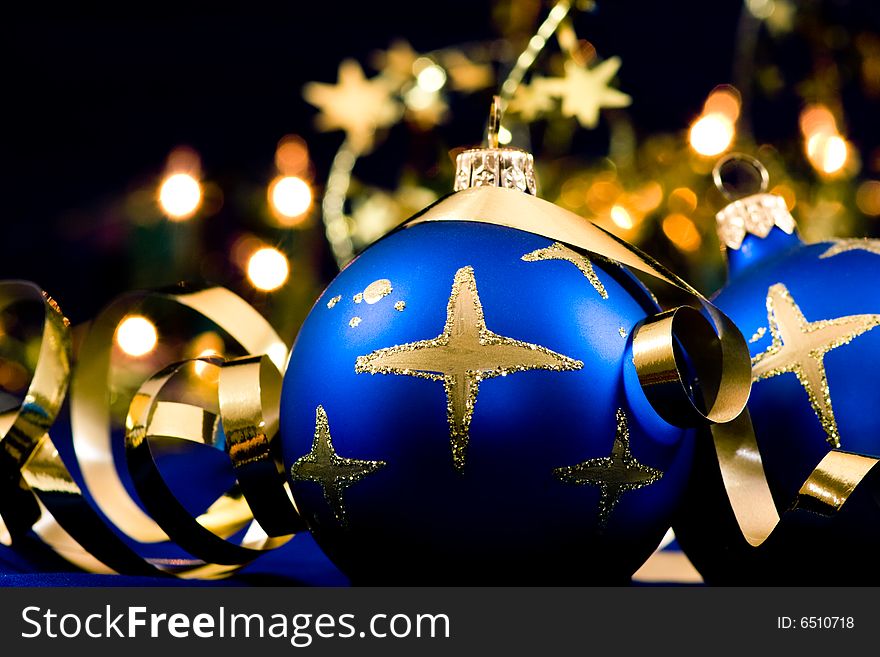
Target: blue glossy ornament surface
[
  {"x": 790, "y": 432},
  {"x": 505, "y": 516}
]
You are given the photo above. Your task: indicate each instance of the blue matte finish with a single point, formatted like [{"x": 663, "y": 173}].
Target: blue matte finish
[
  {"x": 790, "y": 436},
  {"x": 756, "y": 251},
  {"x": 506, "y": 518}
]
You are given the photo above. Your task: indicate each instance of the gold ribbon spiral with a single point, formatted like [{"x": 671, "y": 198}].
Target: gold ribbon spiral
[{"x": 39, "y": 493}]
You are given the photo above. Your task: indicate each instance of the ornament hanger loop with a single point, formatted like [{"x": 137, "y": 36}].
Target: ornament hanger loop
[
  {"x": 494, "y": 121},
  {"x": 738, "y": 167}
]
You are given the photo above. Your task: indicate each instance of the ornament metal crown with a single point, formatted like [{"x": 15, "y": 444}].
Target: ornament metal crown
[
  {"x": 754, "y": 214},
  {"x": 495, "y": 167},
  {"x": 491, "y": 166}
]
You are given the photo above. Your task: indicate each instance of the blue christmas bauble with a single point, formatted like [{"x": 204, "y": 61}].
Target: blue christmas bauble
[
  {"x": 461, "y": 406},
  {"x": 811, "y": 314}
]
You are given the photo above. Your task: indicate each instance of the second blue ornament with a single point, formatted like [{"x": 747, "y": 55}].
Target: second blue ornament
[{"x": 811, "y": 314}]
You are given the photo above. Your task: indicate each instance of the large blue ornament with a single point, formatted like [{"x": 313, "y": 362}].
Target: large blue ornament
[
  {"x": 813, "y": 314},
  {"x": 461, "y": 406}
]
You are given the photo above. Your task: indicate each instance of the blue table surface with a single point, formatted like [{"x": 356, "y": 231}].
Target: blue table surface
[{"x": 298, "y": 563}]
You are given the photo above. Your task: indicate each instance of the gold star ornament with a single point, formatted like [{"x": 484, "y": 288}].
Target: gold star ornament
[
  {"x": 354, "y": 104},
  {"x": 614, "y": 475},
  {"x": 323, "y": 466},
  {"x": 461, "y": 357},
  {"x": 584, "y": 91},
  {"x": 799, "y": 346}
]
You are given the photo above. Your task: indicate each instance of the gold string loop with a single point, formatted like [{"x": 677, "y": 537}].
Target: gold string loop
[{"x": 666, "y": 347}]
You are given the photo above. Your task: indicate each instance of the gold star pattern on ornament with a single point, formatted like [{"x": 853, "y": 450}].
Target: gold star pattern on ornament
[
  {"x": 354, "y": 104},
  {"x": 557, "y": 251},
  {"x": 323, "y": 466},
  {"x": 462, "y": 356},
  {"x": 800, "y": 346},
  {"x": 614, "y": 475},
  {"x": 584, "y": 91},
  {"x": 843, "y": 246}
]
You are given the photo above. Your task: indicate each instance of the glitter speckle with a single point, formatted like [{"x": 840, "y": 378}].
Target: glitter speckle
[
  {"x": 400, "y": 306},
  {"x": 358, "y": 297},
  {"x": 758, "y": 335},
  {"x": 354, "y": 321},
  {"x": 376, "y": 290},
  {"x": 334, "y": 301},
  {"x": 622, "y": 332}
]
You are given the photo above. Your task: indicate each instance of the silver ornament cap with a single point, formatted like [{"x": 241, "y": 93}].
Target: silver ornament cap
[
  {"x": 755, "y": 214},
  {"x": 511, "y": 168}
]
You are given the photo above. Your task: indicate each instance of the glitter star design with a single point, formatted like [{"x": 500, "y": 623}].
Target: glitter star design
[
  {"x": 354, "y": 104},
  {"x": 614, "y": 475},
  {"x": 323, "y": 466},
  {"x": 584, "y": 91},
  {"x": 800, "y": 346},
  {"x": 462, "y": 356},
  {"x": 557, "y": 251},
  {"x": 842, "y": 246}
]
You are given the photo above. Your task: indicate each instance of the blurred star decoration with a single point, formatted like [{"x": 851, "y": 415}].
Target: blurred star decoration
[
  {"x": 355, "y": 104},
  {"x": 584, "y": 91}
]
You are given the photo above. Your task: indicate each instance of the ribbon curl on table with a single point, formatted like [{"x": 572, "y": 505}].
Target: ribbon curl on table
[{"x": 38, "y": 492}]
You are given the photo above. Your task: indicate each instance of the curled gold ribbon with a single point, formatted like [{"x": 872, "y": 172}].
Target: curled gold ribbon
[
  {"x": 206, "y": 535},
  {"x": 249, "y": 393},
  {"x": 660, "y": 345},
  {"x": 38, "y": 493},
  {"x": 719, "y": 354},
  {"x": 22, "y": 428},
  {"x": 90, "y": 391}
]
